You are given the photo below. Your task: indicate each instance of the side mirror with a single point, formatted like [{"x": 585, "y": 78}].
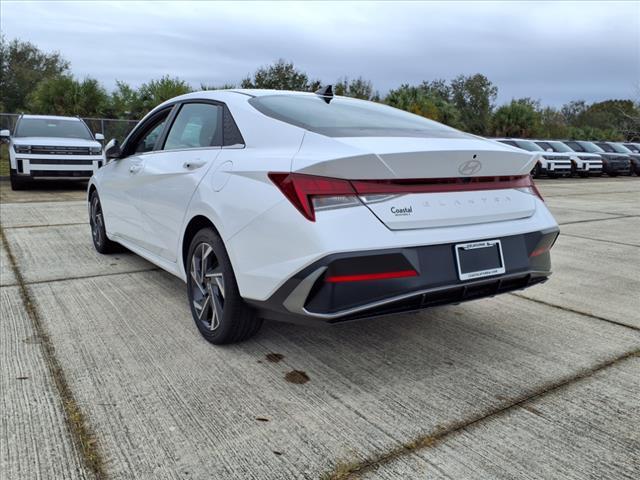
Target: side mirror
[
  {"x": 99, "y": 137},
  {"x": 5, "y": 134},
  {"x": 112, "y": 150},
  {"x": 549, "y": 149}
]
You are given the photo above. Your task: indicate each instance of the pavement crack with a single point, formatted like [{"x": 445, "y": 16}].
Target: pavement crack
[
  {"x": 85, "y": 277},
  {"x": 82, "y": 434},
  {"x": 564, "y": 234},
  {"x": 350, "y": 470},
  {"x": 573, "y": 310},
  {"x": 593, "y": 219},
  {"x": 50, "y": 225}
]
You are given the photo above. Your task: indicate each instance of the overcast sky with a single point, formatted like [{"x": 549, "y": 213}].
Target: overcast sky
[{"x": 552, "y": 51}]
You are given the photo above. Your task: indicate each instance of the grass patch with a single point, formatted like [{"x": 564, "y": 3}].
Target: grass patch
[
  {"x": 82, "y": 434},
  {"x": 4, "y": 159}
]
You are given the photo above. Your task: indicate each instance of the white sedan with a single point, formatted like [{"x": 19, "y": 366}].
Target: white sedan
[{"x": 310, "y": 207}]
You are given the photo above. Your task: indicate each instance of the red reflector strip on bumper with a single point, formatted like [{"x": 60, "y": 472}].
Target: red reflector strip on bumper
[{"x": 371, "y": 276}]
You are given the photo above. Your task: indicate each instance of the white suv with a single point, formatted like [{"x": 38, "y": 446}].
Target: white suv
[
  {"x": 583, "y": 164},
  {"x": 44, "y": 147},
  {"x": 550, "y": 163}
]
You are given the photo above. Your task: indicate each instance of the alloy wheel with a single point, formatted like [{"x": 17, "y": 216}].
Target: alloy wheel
[
  {"x": 207, "y": 286},
  {"x": 96, "y": 220}
]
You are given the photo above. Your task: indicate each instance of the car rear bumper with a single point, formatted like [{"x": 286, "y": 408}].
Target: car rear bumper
[{"x": 311, "y": 297}]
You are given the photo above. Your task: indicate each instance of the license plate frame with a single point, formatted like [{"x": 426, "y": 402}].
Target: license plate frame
[{"x": 465, "y": 274}]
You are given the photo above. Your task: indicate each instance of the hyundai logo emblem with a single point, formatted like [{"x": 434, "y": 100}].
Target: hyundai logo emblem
[{"x": 470, "y": 167}]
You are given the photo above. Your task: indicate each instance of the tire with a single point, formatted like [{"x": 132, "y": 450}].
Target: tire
[
  {"x": 218, "y": 310},
  {"x": 552, "y": 175},
  {"x": 17, "y": 183},
  {"x": 536, "y": 170},
  {"x": 98, "y": 233},
  {"x": 612, "y": 174}
]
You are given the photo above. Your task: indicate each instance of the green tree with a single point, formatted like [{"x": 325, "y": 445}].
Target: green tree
[
  {"x": 281, "y": 75},
  {"x": 474, "y": 97},
  {"x": 64, "y": 95},
  {"x": 224, "y": 86},
  {"x": 356, "y": 88},
  {"x": 519, "y": 118},
  {"x": 125, "y": 102},
  {"x": 573, "y": 110},
  {"x": 155, "y": 92},
  {"x": 22, "y": 67},
  {"x": 425, "y": 101},
  {"x": 552, "y": 124},
  {"x": 622, "y": 116}
]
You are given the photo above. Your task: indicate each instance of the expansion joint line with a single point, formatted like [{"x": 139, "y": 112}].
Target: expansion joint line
[{"x": 81, "y": 433}]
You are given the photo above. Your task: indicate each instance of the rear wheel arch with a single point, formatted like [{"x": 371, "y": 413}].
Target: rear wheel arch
[{"x": 196, "y": 224}]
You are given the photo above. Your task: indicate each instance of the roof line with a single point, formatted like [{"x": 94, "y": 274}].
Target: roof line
[{"x": 243, "y": 93}]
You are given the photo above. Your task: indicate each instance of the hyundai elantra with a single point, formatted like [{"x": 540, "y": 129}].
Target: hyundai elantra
[{"x": 310, "y": 207}]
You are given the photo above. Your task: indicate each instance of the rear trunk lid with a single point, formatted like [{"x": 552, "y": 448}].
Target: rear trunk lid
[{"x": 451, "y": 181}]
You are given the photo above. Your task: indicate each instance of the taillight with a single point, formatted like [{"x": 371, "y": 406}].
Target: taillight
[{"x": 309, "y": 193}]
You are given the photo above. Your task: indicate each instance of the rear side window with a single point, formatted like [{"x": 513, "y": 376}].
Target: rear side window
[
  {"x": 348, "y": 117},
  {"x": 196, "y": 125},
  {"x": 545, "y": 146}
]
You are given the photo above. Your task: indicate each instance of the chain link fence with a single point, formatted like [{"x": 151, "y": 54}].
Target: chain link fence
[{"x": 109, "y": 127}]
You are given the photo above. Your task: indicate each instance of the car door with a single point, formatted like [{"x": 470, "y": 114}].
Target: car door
[
  {"x": 172, "y": 173},
  {"x": 121, "y": 177}
]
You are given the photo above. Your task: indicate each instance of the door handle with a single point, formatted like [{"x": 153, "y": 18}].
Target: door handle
[
  {"x": 135, "y": 168},
  {"x": 192, "y": 165}
]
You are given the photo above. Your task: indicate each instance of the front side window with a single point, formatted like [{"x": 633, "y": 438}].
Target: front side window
[
  {"x": 54, "y": 127},
  {"x": 509, "y": 142},
  {"x": 147, "y": 141},
  {"x": 546, "y": 146},
  {"x": 196, "y": 125},
  {"x": 349, "y": 117}
]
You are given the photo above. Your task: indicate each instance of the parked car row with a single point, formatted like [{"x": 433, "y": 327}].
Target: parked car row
[
  {"x": 46, "y": 147},
  {"x": 564, "y": 158}
]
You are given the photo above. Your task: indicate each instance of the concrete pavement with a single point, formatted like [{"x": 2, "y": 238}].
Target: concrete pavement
[{"x": 165, "y": 404}]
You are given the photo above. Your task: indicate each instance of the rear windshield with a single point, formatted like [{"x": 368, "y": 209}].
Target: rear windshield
[
  {"x": 42, "y": 127},
  {"x": 348, "y": 117}
]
